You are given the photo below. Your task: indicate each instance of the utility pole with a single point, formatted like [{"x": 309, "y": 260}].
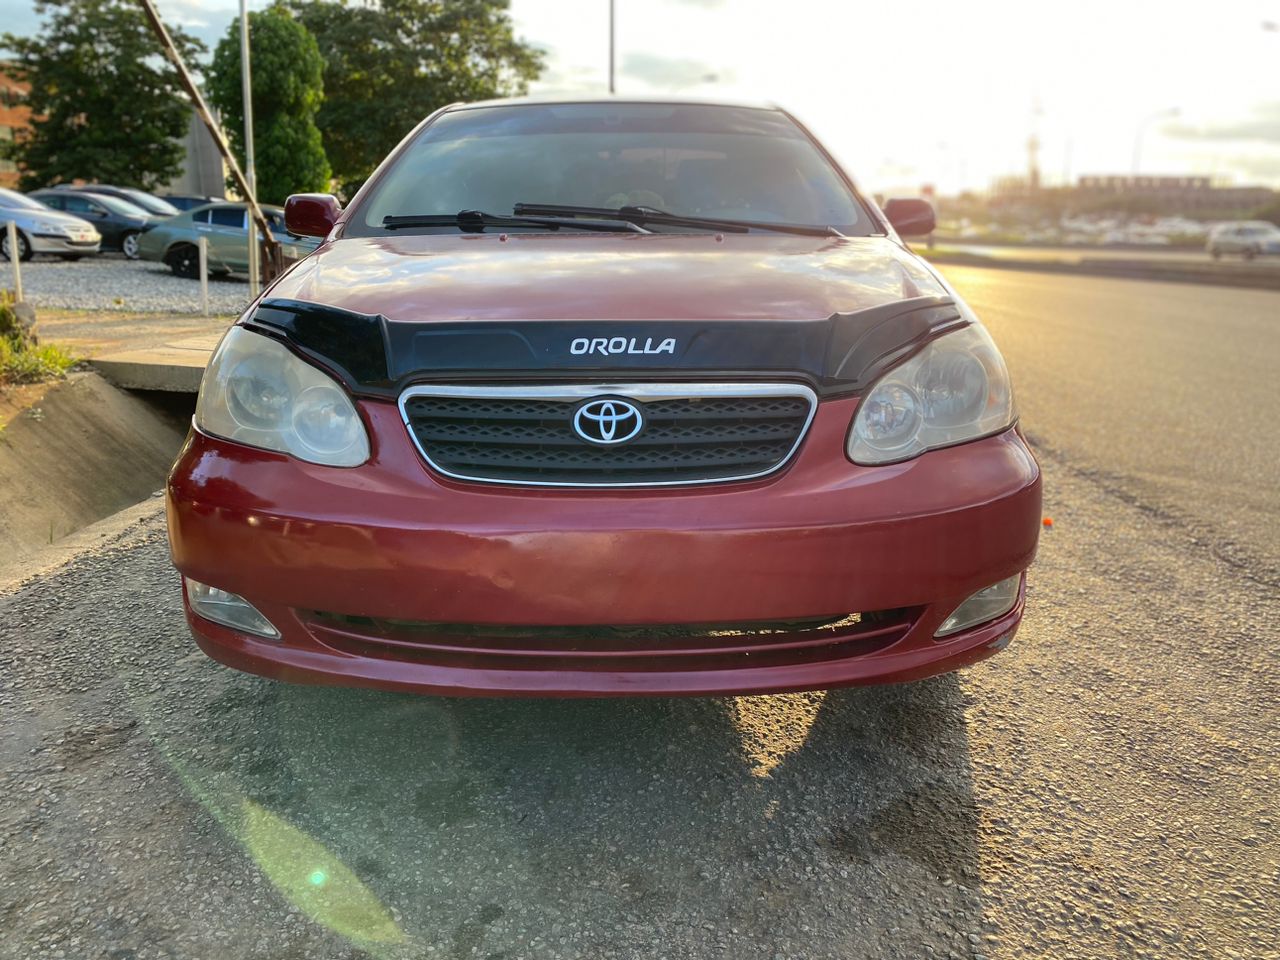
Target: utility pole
[
  {"x": 1033, "y": 148},
  {"x": 247, "y": 92},
  {"x": 611, "y": 43},
  {"x": 274, "y": 260}
]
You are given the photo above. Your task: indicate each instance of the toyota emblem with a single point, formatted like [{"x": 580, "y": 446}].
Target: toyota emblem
[{"x": 608, "y": 421}]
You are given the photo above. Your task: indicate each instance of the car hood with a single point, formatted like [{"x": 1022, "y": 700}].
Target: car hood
[
  {"x": 494, "y": 276},
  {"x": 22, "y": 217}
]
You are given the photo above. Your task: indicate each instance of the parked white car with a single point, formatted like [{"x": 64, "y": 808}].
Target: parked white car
[
  {"x": 1249, "y": 238},
  {"x": 41, "y": 230}
]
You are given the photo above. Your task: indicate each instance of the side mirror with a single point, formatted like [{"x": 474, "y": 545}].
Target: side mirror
[
  {"x": 911, "y": 218},
  {"x": 311, "y": 214}
]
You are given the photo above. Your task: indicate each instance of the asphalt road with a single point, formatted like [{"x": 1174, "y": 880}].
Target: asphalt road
[
  {"x": 1166, "y": 392},
  {"x": 1107, "y": 787}
]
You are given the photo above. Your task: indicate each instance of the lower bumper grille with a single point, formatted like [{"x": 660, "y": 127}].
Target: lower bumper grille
[
  {"x": 683, "y": 433},
  {"x": 671, "y": 647}
]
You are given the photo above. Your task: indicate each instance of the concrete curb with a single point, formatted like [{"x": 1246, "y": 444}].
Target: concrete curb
[
  {"x": 97, "y": 536},
  {"x": 174, "y": 367},
  {"x": 84, "y": 452}
]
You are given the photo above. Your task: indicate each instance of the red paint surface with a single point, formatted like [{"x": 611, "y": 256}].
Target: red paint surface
[
  {"x": 390, "y": 539},
  {"x": 311, "y": 214},
  {"x": 628, "y": 276}
]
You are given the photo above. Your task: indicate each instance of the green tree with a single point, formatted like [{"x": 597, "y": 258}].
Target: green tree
[
  {"x": 106, "y": 105},
  {"x": 288, "y": 89},
  {"x": 389, "y": 64}
]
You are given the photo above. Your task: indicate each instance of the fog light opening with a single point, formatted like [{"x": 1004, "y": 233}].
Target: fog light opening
[
  {"x": 1002, "y": 641},
  {"x": 228, "y": 609},
  {"x": 987, "y": 604}
]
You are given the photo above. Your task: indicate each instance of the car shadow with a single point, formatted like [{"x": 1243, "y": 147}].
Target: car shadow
[{"x": 841, "y": 821}]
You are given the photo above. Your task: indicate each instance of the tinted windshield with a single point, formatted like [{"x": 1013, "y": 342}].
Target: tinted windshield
[
  {"x": 162, "y": 208},
  {"x": 694, "y": 160},
  {"x": 16, "y": 201},
  {"x": 122, "y": 207}
]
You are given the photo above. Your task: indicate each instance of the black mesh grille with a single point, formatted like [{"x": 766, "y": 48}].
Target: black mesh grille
[{"x": 531, "y": 440}]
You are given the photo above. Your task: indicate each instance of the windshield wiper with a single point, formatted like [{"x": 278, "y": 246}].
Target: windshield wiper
[
  {"x": 643, "y": 215},
  {"x": 475, "y": 221}
]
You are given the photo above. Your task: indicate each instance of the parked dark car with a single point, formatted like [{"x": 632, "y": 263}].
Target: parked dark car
[
  {"x": 119, "y": 221},
  {"x": 153, "y": 205},
  {"x": 188, "y": 201}
]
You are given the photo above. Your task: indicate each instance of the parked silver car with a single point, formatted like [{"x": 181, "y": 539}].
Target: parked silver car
[
  {"x": 1249, "y": 238},
  {"x": 41, "y": 230}
]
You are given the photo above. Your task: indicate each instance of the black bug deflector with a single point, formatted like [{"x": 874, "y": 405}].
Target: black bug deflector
[{"x": 376, "y": 357}]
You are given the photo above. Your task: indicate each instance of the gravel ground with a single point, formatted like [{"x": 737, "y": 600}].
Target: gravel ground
[
  {"x": 1105, "y": 788},
  {"x": 113, "y": 283}
]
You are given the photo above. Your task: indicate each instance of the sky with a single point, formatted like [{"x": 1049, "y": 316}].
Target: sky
[{"x": 943, "y": 93}]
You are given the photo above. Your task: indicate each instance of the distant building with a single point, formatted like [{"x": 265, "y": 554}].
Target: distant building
[
  {"x": 15, "y": 115},
  {"x": 203, "y": 172},
  {"x": 1172, "y": 195},
  {"x": 1011, "y": 187}
]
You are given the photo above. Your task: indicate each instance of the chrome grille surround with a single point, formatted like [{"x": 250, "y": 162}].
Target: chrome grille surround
[{"x": 561, "y": 399}]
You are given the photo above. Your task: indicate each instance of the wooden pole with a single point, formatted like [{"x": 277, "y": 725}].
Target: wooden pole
[
  {"x": 15, "y": 261},
  {"x": 273, "y": 260},
  {"x": 202, "y": 248}
]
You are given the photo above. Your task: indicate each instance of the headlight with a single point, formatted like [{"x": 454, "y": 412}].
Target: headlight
[
  {"x": 955, "y": 389},
  {"x": 46, "y": 226},
  {"x": 257, "y": 392}
]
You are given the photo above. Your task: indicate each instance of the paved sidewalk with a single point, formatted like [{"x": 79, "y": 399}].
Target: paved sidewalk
[
  {"x": 138, "y": 351},
  {"x": 174, "y": 365}
]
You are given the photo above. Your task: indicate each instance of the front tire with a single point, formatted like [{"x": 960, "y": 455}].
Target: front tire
[
  {"x": 129, "y": 245},
  {"x": 24, "y": 246},
  {"x": 1250, "y": 252}
]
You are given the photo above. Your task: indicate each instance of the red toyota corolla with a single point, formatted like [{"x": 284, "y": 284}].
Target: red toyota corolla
[{"x": 595, "y": 398}]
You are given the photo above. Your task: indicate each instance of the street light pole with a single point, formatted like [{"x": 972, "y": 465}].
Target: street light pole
[
  {"x": 247, "y": 88},
  {"x": 611, "y": 43}
]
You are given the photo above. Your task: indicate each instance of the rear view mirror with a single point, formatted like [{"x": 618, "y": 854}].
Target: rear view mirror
[
  {"x": 911, "y": 218},
  {"x": 311, "y": 214}
]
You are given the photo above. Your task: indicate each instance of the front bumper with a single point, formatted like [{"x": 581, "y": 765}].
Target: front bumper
[
  {"x": 56, "y": 243},
  {"x": 333, "y": 557}
]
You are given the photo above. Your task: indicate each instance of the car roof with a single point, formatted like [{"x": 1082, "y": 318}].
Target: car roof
[
  {"x": 92, "y": 187},
  {"x": 239, "y": 204},
  {"x": 542, "y": 101},
  {"x": 93, "y": 193}
]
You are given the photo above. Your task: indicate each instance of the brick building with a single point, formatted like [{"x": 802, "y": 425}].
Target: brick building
[{"x": 14, "y": 116}]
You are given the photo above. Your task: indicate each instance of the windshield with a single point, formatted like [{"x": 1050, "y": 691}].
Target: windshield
[
  {"x": 12, "y": 200},
  {"x": 162, "y": 208},
  {"x": 724, "y": 162},
  {"x": 117, "y": 206}
]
